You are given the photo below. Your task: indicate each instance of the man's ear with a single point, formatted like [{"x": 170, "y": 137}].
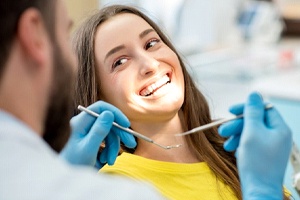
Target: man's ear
[{"x": 33, "y": 36}]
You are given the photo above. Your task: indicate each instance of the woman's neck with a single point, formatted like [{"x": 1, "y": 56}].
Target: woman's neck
[{"x": 163, "y": 133}]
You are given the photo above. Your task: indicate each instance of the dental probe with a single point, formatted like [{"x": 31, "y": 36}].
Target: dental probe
[
  {"x": 136, "y": 134},
  {"x": 215, "y": 123}
]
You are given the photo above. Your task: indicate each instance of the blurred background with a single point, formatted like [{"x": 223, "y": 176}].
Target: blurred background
[{"x": 232, "y": 47}]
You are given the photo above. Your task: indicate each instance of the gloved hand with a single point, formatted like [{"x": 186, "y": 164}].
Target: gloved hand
[
  {"x": 88, "y": 132},
  {"x": 263, "y": 143}
]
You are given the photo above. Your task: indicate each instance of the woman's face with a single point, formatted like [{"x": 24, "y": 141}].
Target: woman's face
[{"x": 139, "y": 73}]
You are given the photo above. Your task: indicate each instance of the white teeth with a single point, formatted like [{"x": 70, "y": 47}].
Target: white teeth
[{"x": 151, "y": 88}]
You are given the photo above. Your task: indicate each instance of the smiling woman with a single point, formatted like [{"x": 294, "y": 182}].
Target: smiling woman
[{"x": 126, "y": 60}]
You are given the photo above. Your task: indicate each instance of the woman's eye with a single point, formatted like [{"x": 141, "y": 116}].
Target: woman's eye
[
  {"x": 151, "y": 43},
  {"x": 119, "y": 62}
]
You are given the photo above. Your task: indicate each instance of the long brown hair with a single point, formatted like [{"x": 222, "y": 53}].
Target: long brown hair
[{"x": 207, "y": 145}]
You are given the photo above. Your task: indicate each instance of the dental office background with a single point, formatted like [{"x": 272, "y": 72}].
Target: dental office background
[{"x": 232, "y": 47}]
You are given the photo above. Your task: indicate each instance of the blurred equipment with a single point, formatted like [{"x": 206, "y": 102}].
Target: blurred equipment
[
  {"x": 204, "y": 25},
  {"x": 260, "y": 22}
]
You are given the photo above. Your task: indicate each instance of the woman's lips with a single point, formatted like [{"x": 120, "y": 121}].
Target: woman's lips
[{"x": 147, "y": 91}]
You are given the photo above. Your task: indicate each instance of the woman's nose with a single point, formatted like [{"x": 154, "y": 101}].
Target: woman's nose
[{"x": 148, "y": 64}]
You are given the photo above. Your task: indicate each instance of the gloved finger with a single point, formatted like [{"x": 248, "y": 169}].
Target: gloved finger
[
  {"x": 127, "y": 138},
  {"x": 82, "y": 123},
  {"x": 254, "y": 109},
  {"x": 232, "y": 143},
  {"x": 231, "y": 128},
  {"x": 99, "y": 130},
  {"x": 112, "y": 148},
  {"x": 273, "y": 119},
  {"x": 119, "y": 117},
  {"x": 237, "y": 109},
  {"x": 98, "y": 164},
  {"x": 113, "y": 145},
  {"x": 103, "y": 156}
]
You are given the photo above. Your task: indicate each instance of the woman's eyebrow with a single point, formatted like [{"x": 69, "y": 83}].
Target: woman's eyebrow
[
  {"x": 146, "y": 32},
  {"x": 118, "y": 48},
  {"x": 114, "y": 50}
]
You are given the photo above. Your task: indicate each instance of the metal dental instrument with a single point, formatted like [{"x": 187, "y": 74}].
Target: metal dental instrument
[
  {"x": 215, "y": 123},
  {"x": 136, "y": 134}
]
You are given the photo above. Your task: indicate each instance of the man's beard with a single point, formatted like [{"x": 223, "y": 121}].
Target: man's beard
[{"x": 57, "y": 123}]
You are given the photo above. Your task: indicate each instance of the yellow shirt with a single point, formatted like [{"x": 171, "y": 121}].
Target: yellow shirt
[{"x": 174, "y": 180}]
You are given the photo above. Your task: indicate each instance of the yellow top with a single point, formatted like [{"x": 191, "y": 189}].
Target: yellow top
[{"x": 174, "y": 180}]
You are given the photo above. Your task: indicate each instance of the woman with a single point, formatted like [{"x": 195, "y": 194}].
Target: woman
[{"x": 126, "y": 60}]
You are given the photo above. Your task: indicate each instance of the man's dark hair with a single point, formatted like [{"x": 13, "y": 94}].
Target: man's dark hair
[{"x": 10, "y": 12}]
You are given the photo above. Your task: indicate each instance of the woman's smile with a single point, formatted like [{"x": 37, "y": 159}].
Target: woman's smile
[{"x": 154, "y": 87}]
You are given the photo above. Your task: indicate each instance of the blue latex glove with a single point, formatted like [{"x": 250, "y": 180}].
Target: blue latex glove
[
  {"x": 263, "y": 143},
  {"x": 89, "y": 132}
]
